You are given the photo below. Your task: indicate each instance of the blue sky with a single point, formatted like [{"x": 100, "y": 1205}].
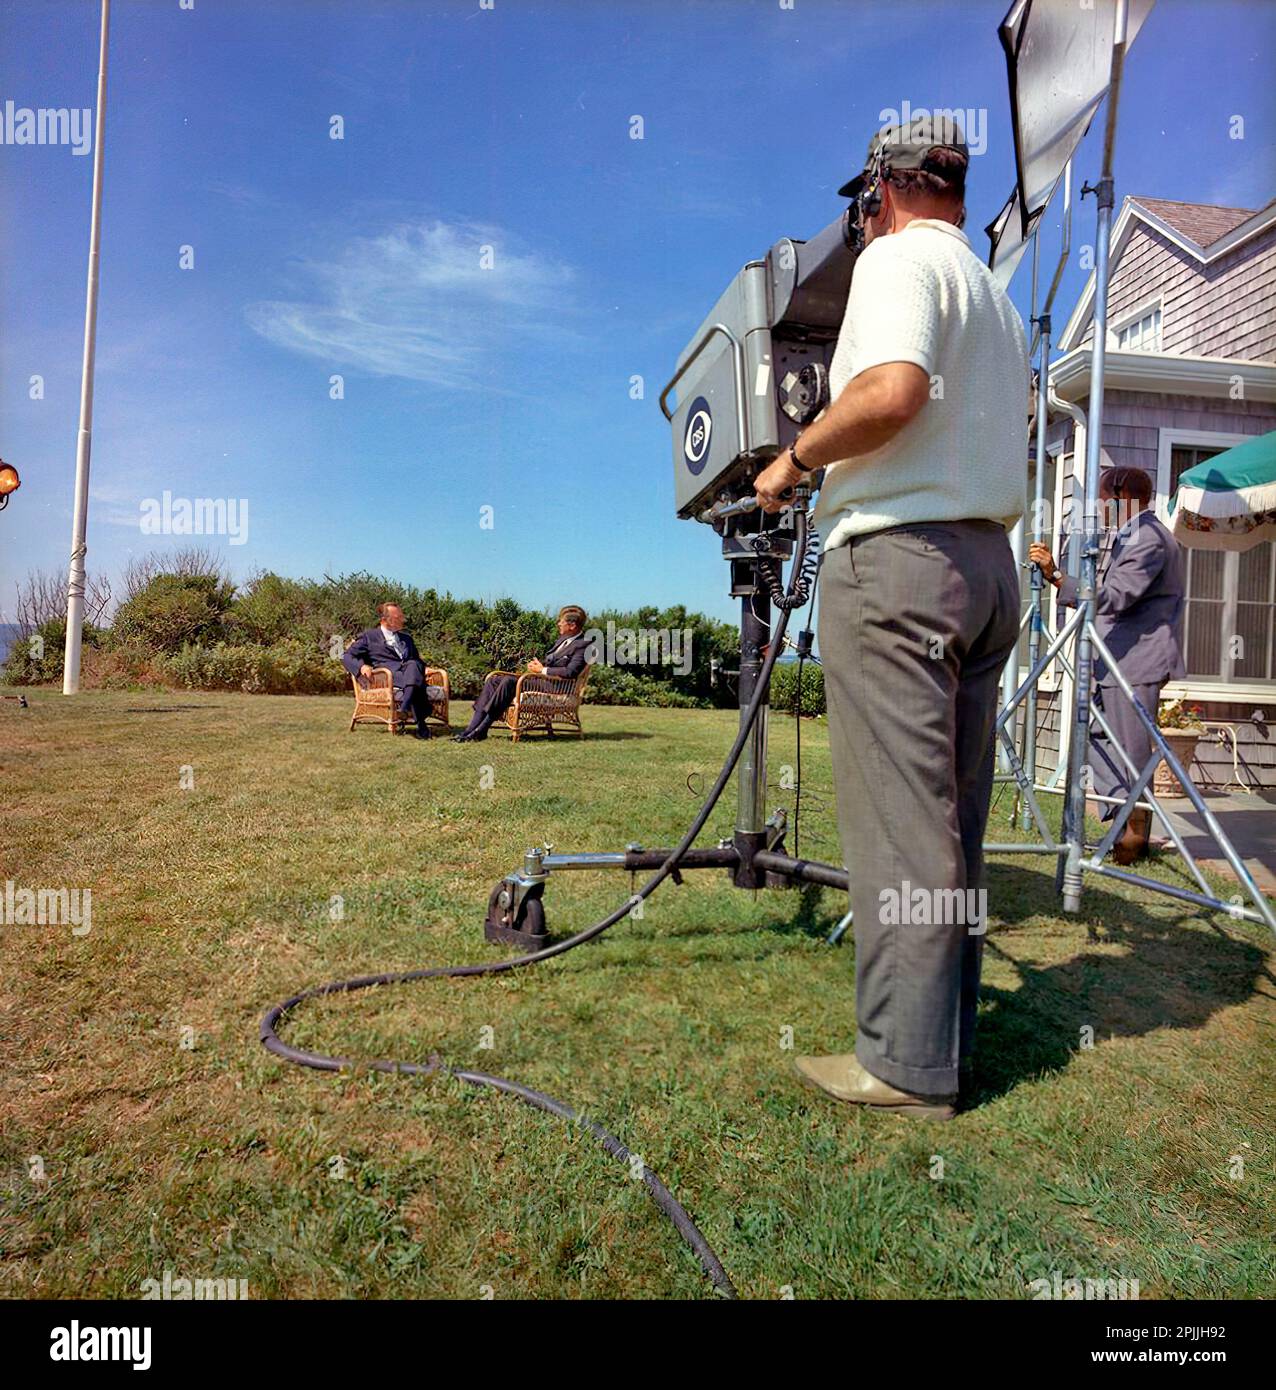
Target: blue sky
[{"x": 467, "y": 388}]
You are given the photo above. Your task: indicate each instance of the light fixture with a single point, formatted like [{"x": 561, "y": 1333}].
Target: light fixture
[{"x": 9, "y": 482}]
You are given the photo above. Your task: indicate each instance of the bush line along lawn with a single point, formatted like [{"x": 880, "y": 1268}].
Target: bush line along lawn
[{"x": 170, "y": 1140}]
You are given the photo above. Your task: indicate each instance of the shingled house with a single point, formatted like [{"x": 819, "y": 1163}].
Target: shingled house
[{"x": 1191, "y": 370}]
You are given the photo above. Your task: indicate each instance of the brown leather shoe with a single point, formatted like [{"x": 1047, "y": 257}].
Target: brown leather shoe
[
  {"x": 1132, "y": 844},
  {"x": 843, "y": 1078}
]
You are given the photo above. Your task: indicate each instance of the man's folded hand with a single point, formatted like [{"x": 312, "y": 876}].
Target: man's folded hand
[{"x": 773, "y": 487}]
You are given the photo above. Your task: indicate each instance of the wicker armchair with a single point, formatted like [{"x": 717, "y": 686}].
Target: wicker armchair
[
  {"x": 541, "y": 702},
  {"x": 374, "y": 701}
]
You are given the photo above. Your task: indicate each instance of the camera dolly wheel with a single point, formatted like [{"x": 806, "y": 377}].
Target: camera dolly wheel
[{"x": 515, "y": 912}]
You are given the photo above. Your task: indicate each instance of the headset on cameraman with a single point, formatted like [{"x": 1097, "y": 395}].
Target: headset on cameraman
[{"x": 868, "y": 201}]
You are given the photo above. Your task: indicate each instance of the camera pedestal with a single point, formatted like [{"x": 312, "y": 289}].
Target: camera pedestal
[{"x": 755, "y": 855}]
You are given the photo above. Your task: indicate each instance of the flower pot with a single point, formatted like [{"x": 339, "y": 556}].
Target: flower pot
[{"x": 1183, "y": 742}]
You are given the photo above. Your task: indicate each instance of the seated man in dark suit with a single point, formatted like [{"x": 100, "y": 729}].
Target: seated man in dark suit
[
  {"x": 390, "y": 648},
  {"x": 1139, "y": 614},
  {"x": 565, "y": 660}
]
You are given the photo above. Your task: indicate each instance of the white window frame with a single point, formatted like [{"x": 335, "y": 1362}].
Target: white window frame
[
  {"x": 1126, "y": 320},
  {"x": 1167, "y": 439}
]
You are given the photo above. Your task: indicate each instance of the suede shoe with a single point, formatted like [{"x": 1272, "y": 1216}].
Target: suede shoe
[
  {"x": 1132, "y": 844},
  {"x": 843, "y": 1078}
]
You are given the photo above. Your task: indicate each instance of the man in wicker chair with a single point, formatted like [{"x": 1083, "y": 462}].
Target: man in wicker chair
[
  {"x": 565, "y": 660},
  {"x": 389, "y": 647}
]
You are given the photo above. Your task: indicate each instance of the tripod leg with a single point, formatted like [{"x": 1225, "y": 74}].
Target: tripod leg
[{"x": 839, "y": 931}]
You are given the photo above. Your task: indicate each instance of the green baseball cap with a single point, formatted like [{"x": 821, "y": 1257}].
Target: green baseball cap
[{"x": 909, "y": 146}]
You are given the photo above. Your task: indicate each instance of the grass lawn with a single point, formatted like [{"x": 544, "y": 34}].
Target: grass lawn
[{"x": 170, "y": 1140}]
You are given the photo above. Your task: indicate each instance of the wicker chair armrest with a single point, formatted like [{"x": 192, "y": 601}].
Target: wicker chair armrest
[
  {"x": 545, "y": 685},
  {"x": 380, "y": 679}
]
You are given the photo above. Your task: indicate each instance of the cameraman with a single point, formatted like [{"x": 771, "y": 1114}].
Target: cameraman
[{"x": 926, "y": 452}]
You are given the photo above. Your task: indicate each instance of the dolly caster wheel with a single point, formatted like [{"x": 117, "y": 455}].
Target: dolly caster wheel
[{"x": 522, "y": 927}]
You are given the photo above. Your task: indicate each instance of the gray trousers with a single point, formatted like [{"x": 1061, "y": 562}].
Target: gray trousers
[
  {"x": 1110, "y": 775},
  {"x": 916, "y": 623}
]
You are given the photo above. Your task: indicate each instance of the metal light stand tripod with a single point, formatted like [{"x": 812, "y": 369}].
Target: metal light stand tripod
[
  {"x": 1080, "y": 627},
  {"x": 1034, "y": 618}
]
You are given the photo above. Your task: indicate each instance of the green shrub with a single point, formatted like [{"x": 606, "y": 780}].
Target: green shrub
[
  {"x": 784, "y": 686},
  {"x": 704, "y": 640},
  {"x": 286, "y": 668},
  {"x": 37, "y": 658},
  {"x": 465, "y": 674},
  {"x": 122, "y": 666},
  {"x": 612, "y": 685},
  {"x": 272, "y": 609},
  {"x": 173, "y": 611}
]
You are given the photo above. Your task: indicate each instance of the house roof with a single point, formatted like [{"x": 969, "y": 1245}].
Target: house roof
[
  {"x": 1205, "y": 232},
  {"x": 1199, "y": 222}
]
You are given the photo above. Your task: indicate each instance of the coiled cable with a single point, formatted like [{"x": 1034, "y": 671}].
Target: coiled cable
[{"x": 806, "y": 563}]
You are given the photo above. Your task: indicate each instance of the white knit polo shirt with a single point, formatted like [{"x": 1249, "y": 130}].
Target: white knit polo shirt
[{"x": 922, "y": 295}]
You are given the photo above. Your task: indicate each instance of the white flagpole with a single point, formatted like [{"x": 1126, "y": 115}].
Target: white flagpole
[{"x": 84, "y": 442}]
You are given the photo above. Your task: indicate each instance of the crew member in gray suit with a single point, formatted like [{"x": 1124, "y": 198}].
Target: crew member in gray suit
[{"x": 1139, "y": 614}]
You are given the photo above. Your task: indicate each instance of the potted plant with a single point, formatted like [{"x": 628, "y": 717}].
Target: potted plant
[{"x": 1181, "y": 727}]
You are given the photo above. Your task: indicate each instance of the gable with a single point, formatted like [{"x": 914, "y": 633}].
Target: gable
[
  {"x": 1216, "y": 301},
  {"x": 1226, "y": 308}
]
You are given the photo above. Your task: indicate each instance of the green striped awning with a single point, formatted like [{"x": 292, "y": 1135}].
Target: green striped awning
[{"x": 1228, "y": 502}]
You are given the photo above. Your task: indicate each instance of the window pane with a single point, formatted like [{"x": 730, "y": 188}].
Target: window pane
[
  {"x": 1256, "y": 612},
  {"x": 1254, "y": 628},
  {"x": 1181, "y": 459},
  {"x": 1143, "y": 335},
  {"x": 1206, "y": 646},
  {"x": 1255, "y": 581},
  {"x": 1205, "y": 573},
  {"x": 1204, "y": 623}
]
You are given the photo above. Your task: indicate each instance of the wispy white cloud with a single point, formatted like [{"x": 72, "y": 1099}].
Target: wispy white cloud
[
  {"x": 418, "y": 301},
  {"x": 243, "y": 195}
]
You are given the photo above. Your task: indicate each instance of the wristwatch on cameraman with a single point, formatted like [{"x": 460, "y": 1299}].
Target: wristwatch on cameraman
[{"x": 797, "y": 462}]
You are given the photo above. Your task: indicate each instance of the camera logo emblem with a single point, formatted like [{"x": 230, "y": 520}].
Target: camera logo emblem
[{"x": 695, "y": 439}]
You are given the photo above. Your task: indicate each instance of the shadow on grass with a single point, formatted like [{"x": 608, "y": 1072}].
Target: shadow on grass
[
  {"x": 167, "y": 709},
  {"x": 1167, "y": 977},
  {"x": 537, "y": 737},
  {"x": 813, "y": 917}
]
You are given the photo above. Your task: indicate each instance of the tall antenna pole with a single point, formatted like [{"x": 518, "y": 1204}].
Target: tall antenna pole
[{"x": 84, "y": 442}]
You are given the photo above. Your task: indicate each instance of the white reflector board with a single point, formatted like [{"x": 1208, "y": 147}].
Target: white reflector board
[{"x": 1059, "y": 62}]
